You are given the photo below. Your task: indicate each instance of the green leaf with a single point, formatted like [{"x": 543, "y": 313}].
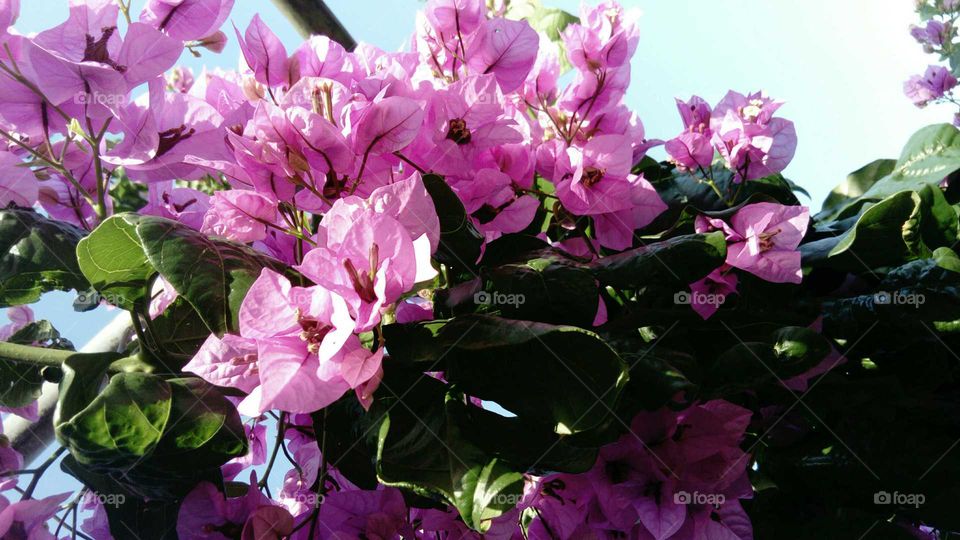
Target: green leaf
[
  {"x": 903, "y": 226},
  {"x": 929, "y": 156},
  {"x": 213, "y": 275},
  {"x": 853, "y": 187},
  {"x": 128, "y": 515},
  {"x": 787, "y": 352},
  {"x": 157, "y": 437},
  {"x": 209, "y": 431},
  {"x": 576, "y": 374},
  {"x": 37, "y": 256},
  {"x": 460, "y": 242},
  {"x": 421, "y": 448},
  {"x": 174, "y": 336},
  {"x": 679, "y": 261},
  {"x": 548, "y": 288},
  {"x": 113, "y": 260},
  {"x": 123, "y": 424}
]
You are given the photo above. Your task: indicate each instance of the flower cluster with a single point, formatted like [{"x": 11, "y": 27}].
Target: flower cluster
[
  {"x": 937, "y": 34},
  {"x": 741, "y": 129}
]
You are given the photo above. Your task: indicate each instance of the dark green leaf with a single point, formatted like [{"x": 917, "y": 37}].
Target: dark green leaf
[
  {"x": 37, "y": 256},
  {"x": 929, "y": 156},
  {"x": 421, "y": 448},
  {"x": 577, "y": 376},
  {"x": 460, "y": 241},
  {"x": 678, "y": 261}
]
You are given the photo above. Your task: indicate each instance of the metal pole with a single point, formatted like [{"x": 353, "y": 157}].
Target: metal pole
[
  {"x": 32, "y": 438},
  {"x": 313, "y": 17}
]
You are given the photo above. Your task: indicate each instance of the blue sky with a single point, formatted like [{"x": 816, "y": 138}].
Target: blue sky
[{"x": 838, "y": 64}]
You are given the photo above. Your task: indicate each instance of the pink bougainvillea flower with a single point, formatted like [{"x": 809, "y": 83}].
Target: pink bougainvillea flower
[
  {"x": 186, "y": 20},
  {"x": 364, "y": 256},
  {"x": 606, "y": 37},
  {"x": 452, "y": 17},
  {"x": 763, "y": 238},
  {"x": 18, "y": 185},
  {"x": 505, "y": 48},
  {"x": 239, "y": 215},
  {"x": 296, "y": 350},
  {"x": 496, "y": 204},
  {"x": 256, "y": 455},
  {"x": 386, "y": 126},
  {"x": 264, "y": 53},
  {"x": 595, "y": 180},
  {"x": 208, "y": 514},
  {"x": 230, "y": 362},
  {"x": 28, "y": 518},
  {"x": 9, "y": 13},
  {"x": 468, "y": 117},
  {"x": 693, "y": 148},
  {"x": 933, "y": 33},
  {"x": 362, "y": 514},
  {"x": 929, "y": 87},
  {"x": 300, "y": 333},
  {"x": 751, "y": 141},
  {"x": 185, "y": 205},
  {"x": 711, "y": 292}
]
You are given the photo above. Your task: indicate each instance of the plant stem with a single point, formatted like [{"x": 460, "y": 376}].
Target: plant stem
[
  {"x": 38, "y": 356},
  {"x": 42, "y": 469},
  {"x": 43, "y": 357}
]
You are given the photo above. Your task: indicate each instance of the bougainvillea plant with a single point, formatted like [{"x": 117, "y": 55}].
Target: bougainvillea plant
[{"x": 447, "y": 294}]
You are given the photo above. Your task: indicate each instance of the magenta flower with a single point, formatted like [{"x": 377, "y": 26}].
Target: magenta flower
[
  {"x": 711, "y": 292},
  {"x": 495, "y": 204},
  {"x": 933, "y": 33},
  {"x": 931, "y": 86},
  {"x": 468, "y": 117},
  {"x": 505, "y": 48},
  {"x": 265, "y": 53},
  {"x": 386, "y": 126},
  {"x": 595, "y": 180},
  {"x": 186, "y": 20},
  {"x": 296, "y": 350},
  {"x": 364, "y": 256},
  {"x": 18, "y": 184},
  {"x": 185, "y": 205},
  {"x": 452, "y": 17},
  {"x": 28, "y": 518},
  {"x": 751, "y": 141},
  {"x": 606, "y": 38},
  {"x": 208, "y": 514},
  {"x": 239, "y": 215},
  {"x": 762, "y": 239}
]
